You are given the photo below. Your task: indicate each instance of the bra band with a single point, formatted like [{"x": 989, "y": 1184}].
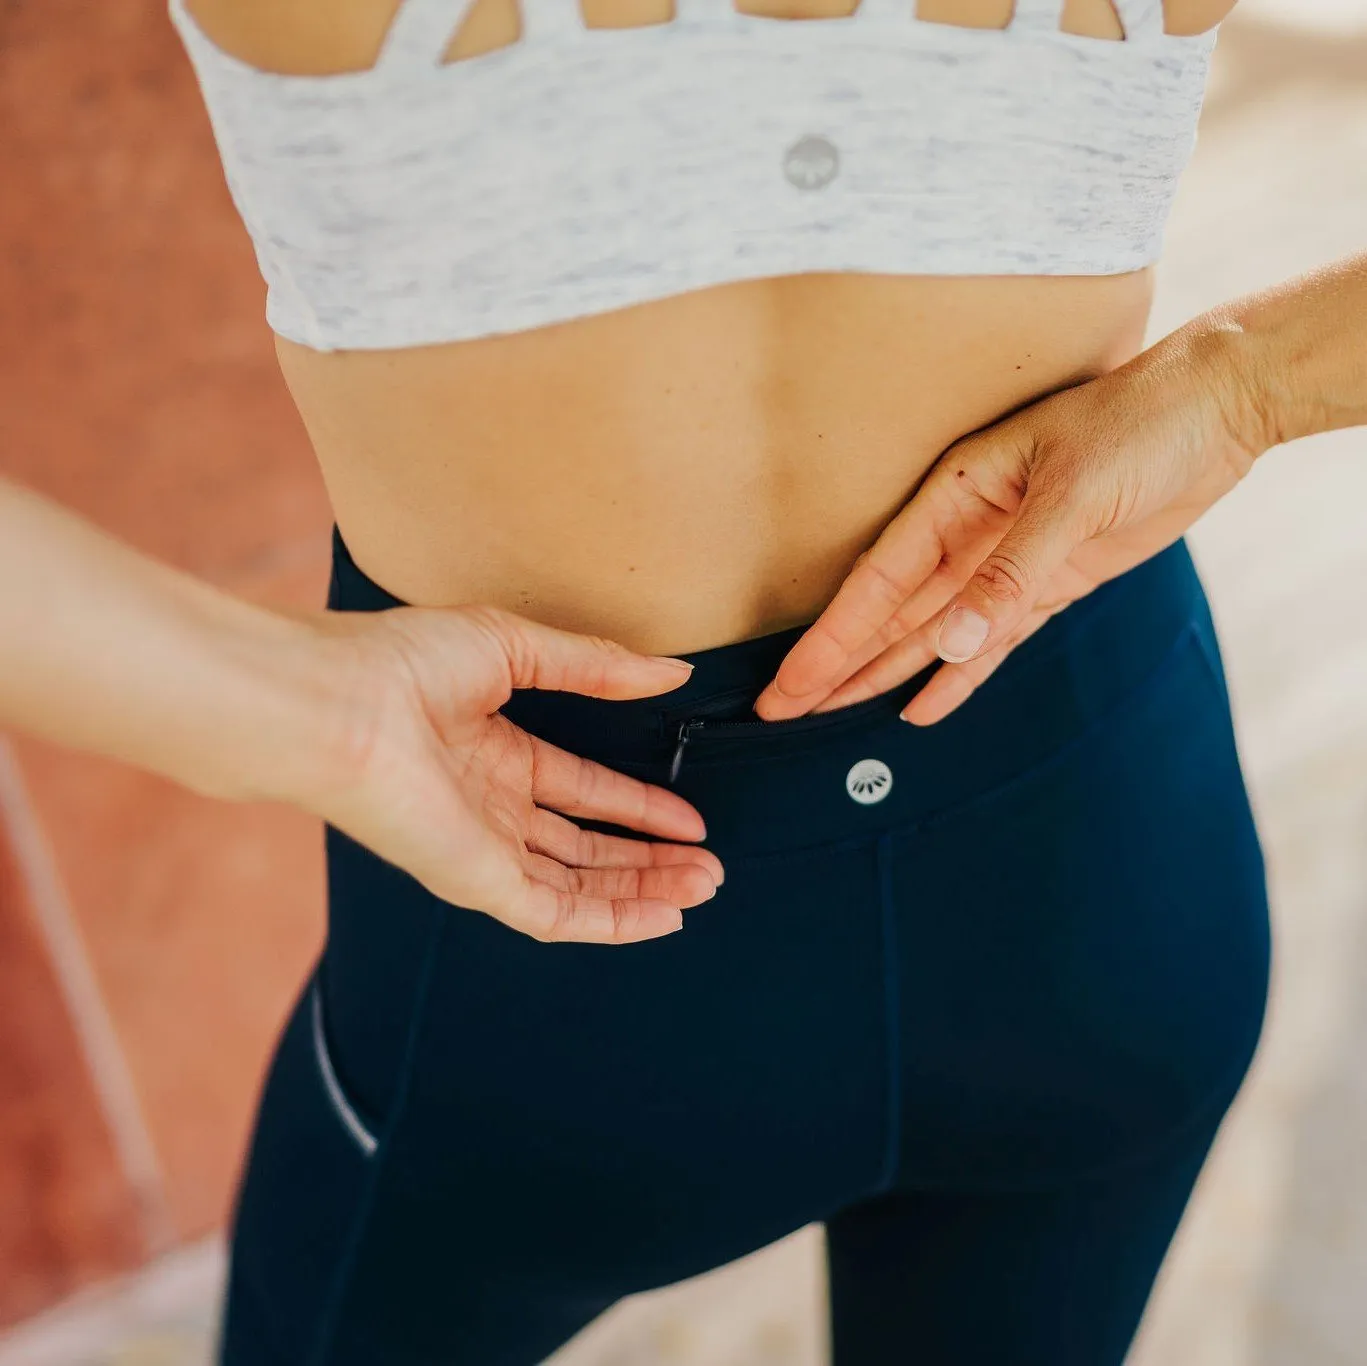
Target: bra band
[{"x": 414, "y": 202}]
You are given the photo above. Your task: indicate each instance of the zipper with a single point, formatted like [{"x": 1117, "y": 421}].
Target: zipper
[
  {"x": 686, "y": 729},
  {"x": 685, "y": 723},
  {"x": 811, "y": 721}
]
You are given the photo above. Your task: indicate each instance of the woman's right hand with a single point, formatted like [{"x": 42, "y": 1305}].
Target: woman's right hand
[
  {"x": 425, "y": 772},
  {"x": 385, "y": 724}
]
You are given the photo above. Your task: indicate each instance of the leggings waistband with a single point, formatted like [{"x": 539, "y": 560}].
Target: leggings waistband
[
  {"x": 1077, "y": 666},
  {"x": 723, "y": 687}
]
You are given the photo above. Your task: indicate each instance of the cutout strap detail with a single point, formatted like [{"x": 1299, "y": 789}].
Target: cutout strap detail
[
  {"x": 886, "y": 11},
  {"x": 1142, "y": 20},
  {"x": 420, "y": 33},
  {"x": 422, "y": 30},
  {"x": 1041, "y": 16},
  {"x": 543, "y": 19}
]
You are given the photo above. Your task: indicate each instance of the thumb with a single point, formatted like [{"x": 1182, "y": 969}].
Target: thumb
[
  {"x": 1010, "y": 580},
  {"x": 541, "y": 656}
]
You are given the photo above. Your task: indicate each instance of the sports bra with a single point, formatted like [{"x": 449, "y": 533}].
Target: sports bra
[{"x": 581, "y": 170}]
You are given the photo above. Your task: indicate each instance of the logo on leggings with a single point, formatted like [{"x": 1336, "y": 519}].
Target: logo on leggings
[
  {"x": 811, "y": 163},
  {"x": 869, "y": 781}
]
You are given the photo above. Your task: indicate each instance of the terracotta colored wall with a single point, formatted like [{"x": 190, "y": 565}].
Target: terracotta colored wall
[{"x": 150, "y": 940}]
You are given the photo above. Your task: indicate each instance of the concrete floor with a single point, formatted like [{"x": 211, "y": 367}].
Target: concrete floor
[{"x": 1270, "y": 1263}]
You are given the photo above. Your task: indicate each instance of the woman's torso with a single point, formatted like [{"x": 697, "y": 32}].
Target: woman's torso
[{"x": 692, "y": 471}]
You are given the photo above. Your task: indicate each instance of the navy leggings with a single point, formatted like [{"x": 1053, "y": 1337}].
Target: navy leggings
[{"x": 975, "y": 996}]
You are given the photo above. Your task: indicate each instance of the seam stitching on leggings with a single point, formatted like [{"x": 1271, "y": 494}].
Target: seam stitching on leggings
[
  {"x": 891, "y": 1010},
  {"x": 327, "y": 1326},
  {"x": 1215, "y": 667}
]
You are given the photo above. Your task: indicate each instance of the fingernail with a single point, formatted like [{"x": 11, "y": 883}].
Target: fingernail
[
  {"x": 669, "y": 659},
  {"x": 961, "y": 635}
]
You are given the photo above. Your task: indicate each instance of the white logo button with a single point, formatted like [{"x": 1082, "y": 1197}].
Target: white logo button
[
  {"x": 811, "y": 163},
  {"x": 869, "y": 781}
]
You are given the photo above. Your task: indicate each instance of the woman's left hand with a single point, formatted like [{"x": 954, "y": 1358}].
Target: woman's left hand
[{"x": 1018, "y": 520}]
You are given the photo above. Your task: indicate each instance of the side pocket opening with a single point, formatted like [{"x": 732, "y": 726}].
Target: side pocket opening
[{"x": 359, "y": 1130}]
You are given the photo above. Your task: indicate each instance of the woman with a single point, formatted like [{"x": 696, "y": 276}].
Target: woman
[{"x": 654, "y": 363}]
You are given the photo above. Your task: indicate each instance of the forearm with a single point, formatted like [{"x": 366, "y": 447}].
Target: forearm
[
  {"x": 107, "y": 650},
  {"x": 1297, "y": 353}
]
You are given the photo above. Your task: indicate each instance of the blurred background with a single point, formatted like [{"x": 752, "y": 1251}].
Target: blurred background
[{"x": 151, "y": 941}]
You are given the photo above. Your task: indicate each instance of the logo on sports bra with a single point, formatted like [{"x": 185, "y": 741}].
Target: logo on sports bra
[{"x": 811, "y": 163}]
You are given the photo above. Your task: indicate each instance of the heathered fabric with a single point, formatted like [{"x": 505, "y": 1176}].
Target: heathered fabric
[{"x": 579, "y": 170}]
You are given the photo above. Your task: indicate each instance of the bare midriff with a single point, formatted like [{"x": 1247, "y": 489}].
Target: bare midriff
[
  {"x": 693, "y": 471},
  {"x": 699, "y": 469}
]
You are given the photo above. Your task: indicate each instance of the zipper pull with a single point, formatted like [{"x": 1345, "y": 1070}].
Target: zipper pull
[{"x": 677, "y": 762}]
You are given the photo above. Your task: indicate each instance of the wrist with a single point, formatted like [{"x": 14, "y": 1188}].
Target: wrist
[
  {"x": 1233, "y": 367},
  {"x": 106, "y": 650},
  {"x": 1294, "y": 356},
  {"x": 286, "y": 734}
]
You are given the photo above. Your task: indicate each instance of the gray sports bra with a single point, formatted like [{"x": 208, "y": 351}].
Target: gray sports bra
[{"x": 582, "y": 170}]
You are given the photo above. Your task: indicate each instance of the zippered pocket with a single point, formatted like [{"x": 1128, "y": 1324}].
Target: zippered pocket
[{"x": 697, "y": 721}]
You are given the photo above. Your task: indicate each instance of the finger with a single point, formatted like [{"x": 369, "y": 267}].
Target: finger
[
  {"x": 1008, "y": 584},
  {"x": 570, "y": 844},
  {"x": 531, "y": 893},
  {"x": 907, "y": 644},
  {"x": 541, "y": 656},
  {"x": 910, "y": 619},
  {"x": 894, "y": 665},
  {"x": 923, "y": 556},
  {"x": 881, "y": 667},
  {"x": 580, "y": 787},
  {"x": 861, "y": 616},
  {"x": 552, "y": 913},
  {"x": 953, "y": 684},
  {"x": 910, "y": 656},
  {"x": 680, "y": 884}
]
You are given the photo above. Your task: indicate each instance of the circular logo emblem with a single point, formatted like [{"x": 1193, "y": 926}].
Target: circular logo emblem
[
  {"x": 811, "y": 163},
  {"x": 869, "y": 781}
]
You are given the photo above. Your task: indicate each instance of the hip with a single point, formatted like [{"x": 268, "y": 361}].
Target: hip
[{"x": 1082, "y": 817}]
